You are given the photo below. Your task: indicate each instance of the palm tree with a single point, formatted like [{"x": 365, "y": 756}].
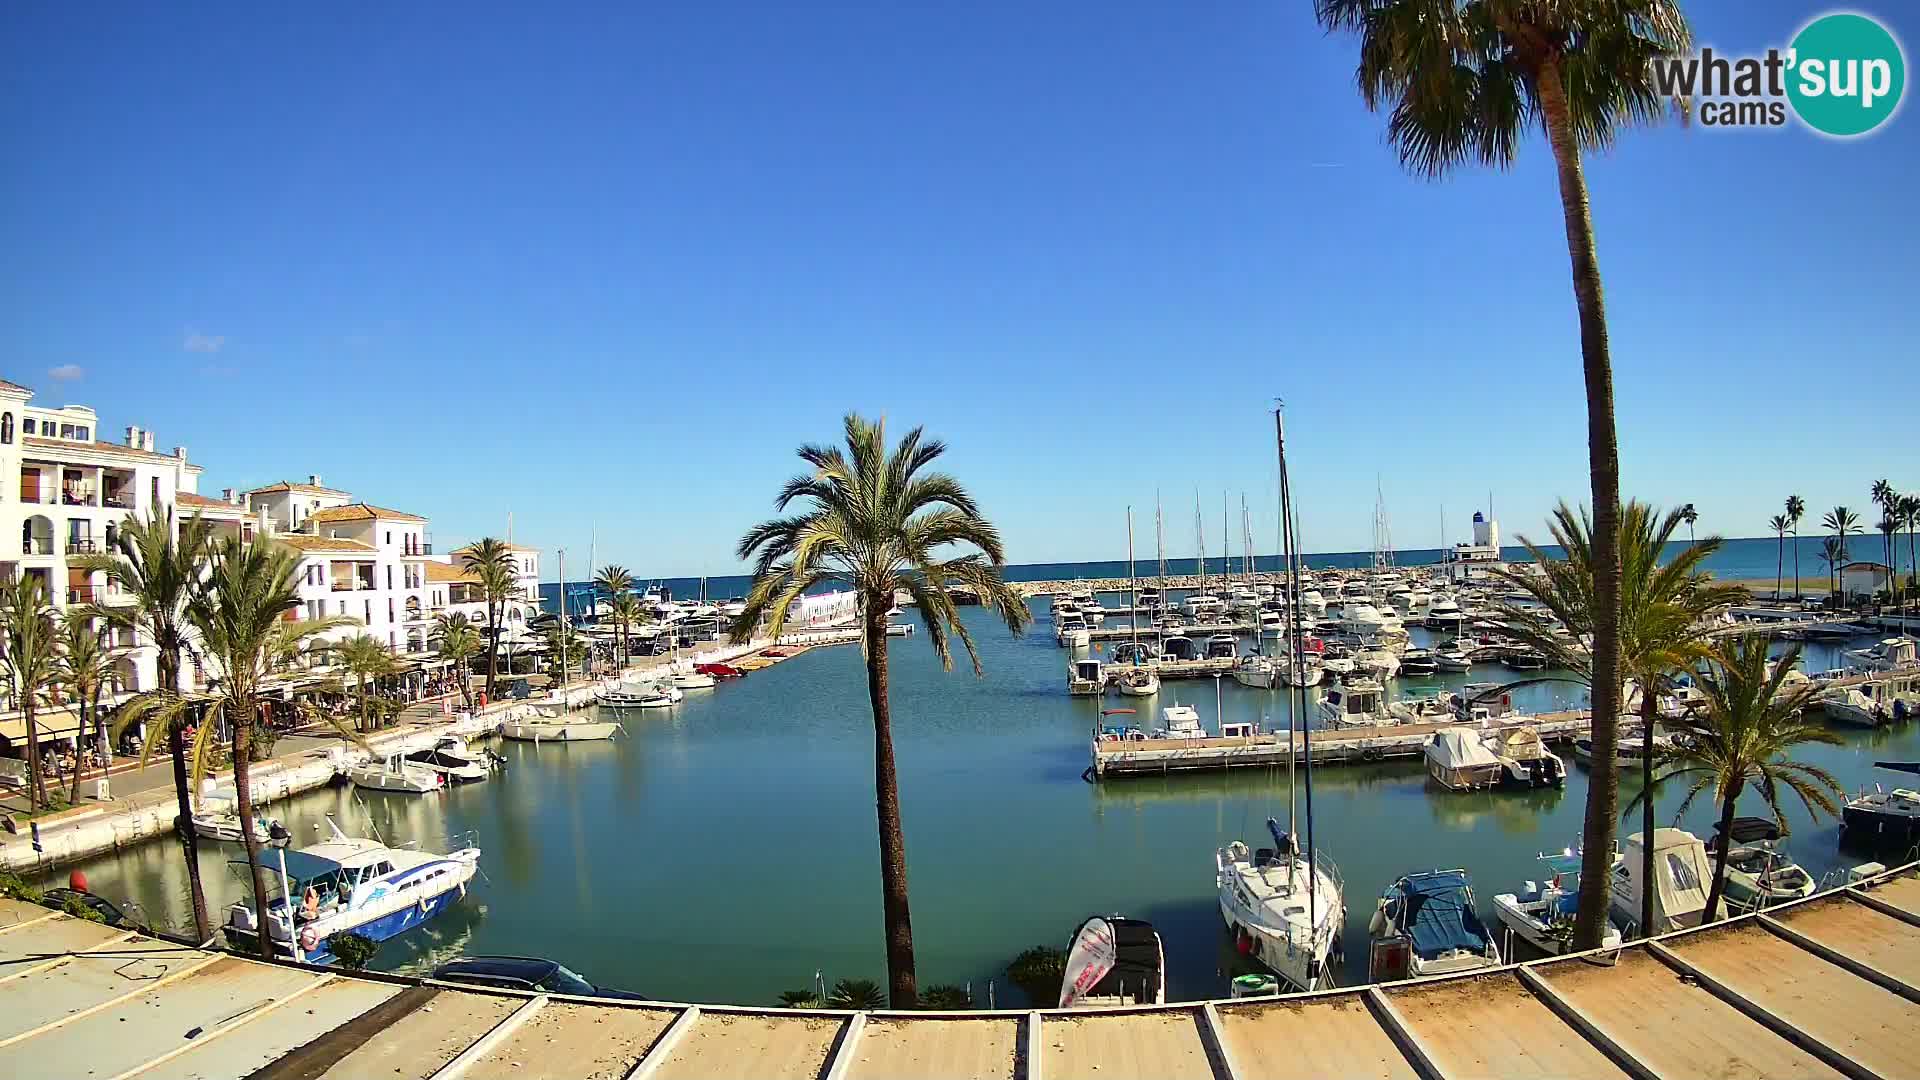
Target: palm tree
[
  {"x": 159, "y": 568},
  {"x": 364, "y": 657},
  {"x": 613, "y": 580},
  {"x": 1778, "y": 523},
  {"x": 85, "y": 666},
  {"x": 628, "y": 612},
  {"x": 1466, "y": 81},
  {"x": 1741, "y": 735},
  {"x": 1664, "y": 623},
  {"x": 1834, "y": 554},
  {"x": 239, "y": 616},
  {"x": 1841, "y": 521},
  {"x": 1796, "y": 509},
  {"x": 1887, "y": 499},
  {"x": 458, "y": 643},
  {"x": 29, "y": 664},
  {"x": 878, "y": 521},
  {"x": 492, "y": 565},
  {"x": 1689, "y": 515},
  {"x": 1909, "y": 508},
  {"x": 1889, "y": 528}
]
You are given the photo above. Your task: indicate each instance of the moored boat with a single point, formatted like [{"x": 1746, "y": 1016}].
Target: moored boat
[
  {"x": 1760, "y": 873},
  {"x": 1682, "y": 872},
  {"x": 1113, "y": 960},
  {"x": 1426, "y": 924},
  {"x": 547, "y": 729},
  {"x": 1542, "y": 915},
  {"x": 1282, "y": 910},
  {"x": 395, "y": 773},
  {"x": 1459, "y": 761}
]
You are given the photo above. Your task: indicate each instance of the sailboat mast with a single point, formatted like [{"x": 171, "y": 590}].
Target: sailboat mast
[
  {"x": 1298, "y": 660},
  {"x": 1199, "y": 543},
  {"x": 1133, "y": 591}
]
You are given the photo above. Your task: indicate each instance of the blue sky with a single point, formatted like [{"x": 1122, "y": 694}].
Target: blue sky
[{"x": 604, "y": 267}]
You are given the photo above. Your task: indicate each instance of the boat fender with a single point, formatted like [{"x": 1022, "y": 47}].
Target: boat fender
[{"x": 309, "y": 938}]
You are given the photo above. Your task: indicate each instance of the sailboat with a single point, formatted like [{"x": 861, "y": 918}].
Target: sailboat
[
  {"x": 1285, "y": 906},
  {"x": 1138, "y": 681}
]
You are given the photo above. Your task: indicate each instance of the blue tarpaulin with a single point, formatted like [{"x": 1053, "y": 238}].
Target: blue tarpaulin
[{"x": 1436, "y": 911}]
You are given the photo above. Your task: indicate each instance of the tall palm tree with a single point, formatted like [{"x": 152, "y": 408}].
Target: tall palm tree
[
  {"x": 458, "y": 643},
  {"x": 29, "y": 664},
  {"x": 1909, "y": 509},
  {"x": 1742, "y": 734},
  {"x": 1466, "y": 82},
  {"x": 1796, "y": 509},
  {"x": 1664, "y": 612},
  {"x": 1778, "y": 523},
  {"x": 1689, "y": 515},
  {"x": 1890, "y": 528},
  {"x": 1840, "y": 521},
  {"x": 159, "y": 567},
  {"x": 1888, "y": 500},
  {"x": 239, "y": 616},
  {"x": 613, "y": 580},
  {"x": 876, "y": 520},
  {"x": 365, "y": 657},
  {"x": 85, "y": 667},
  {"x": 628, "y": 612},
  {"x": 492, "y": 565},
  {"x": 1834, "y": 554}
]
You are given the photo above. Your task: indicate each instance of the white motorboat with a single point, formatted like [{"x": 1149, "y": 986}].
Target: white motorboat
[
  {"x": 221, "y": 822},
  {"x": 1257, "y": 672},
  {"x": 1223, "y": 647},
  {"x": 1459, "y": 761},
  {"x": 451, "y": 757},
  {"x": 1453, "y": 657},
  {"x": 1202, "y": 607},
  {"x": 346, "y": 884},
  {"x": 1282, "y": 910},
  {"x": 1313, "y": 603},
  {"x": 1629, "y": 752},
  {"x": 1180, "y": 722},
  {"x": 1847, "y": 705},
  {"x": 1760, "y": 873},
  {"x": 1086, "y": 678},
  {"x": 1428, "y": 924},
  {"x": 696, "y": 680},
  {"x": 1113, "y": 961},
  {"x": 1543, "y": 914},
  {"x": 1879, "y": 814},
  {"x": 1178, "y": 647},
  {"x": 1359, "y": 702},
  {"x": 1379, "y": 663},
  {"x": 1525, "y": 761},
  {"x": 1370, "y": 624},
  {"x": 396, "y": 773},
  {"x": 1445, "y": 615},
  {"x": 1890, "y": 654},
  {"x": 654, "y": 695},
  {"x": 544, "y": 729},
  {"x": 1682, "y": 872},
  {"x": 1139, "y": 682},
  {"x": 1309, "y": 674}
]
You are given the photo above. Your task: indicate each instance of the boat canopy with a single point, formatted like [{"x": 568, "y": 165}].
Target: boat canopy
[
  {"x": 1460, "y": 749},
  {"x": 1136, "y": 967},
  {"x": 1749, "y": 830},
  {"x": 1436, "y": 913}
]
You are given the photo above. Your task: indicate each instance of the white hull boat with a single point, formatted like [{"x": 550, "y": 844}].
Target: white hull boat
[
  {"x": 545, "y": 730},
  {"x": 396, "y": 774},
  {"x": 1139, "y": 683},
  {"x": 1426, "y": 924},
  {"x": 1264, "y": 899},
  {"x": 452, "y": 758},
  {"x": 692, "y": 680},
  {"x": 224, "y": 825},
  {"x": 1543, "y": 914}
]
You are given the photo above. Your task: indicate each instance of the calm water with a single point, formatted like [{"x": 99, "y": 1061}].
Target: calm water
[{"x": 726, "y": 850}]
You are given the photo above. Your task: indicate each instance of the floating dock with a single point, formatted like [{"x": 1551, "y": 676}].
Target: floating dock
[{"x": 1347, "y": 746}]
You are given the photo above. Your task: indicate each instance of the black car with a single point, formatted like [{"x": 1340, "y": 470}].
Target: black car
[
  {"x": 528, "y": 973},
  {"x": 58, "y": 899}
]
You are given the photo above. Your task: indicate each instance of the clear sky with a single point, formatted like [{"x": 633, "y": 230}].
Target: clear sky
[{"x": 605, "y": 266}]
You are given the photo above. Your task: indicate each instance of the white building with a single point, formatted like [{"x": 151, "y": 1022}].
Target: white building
[
  {"x": 67, "y": 493},
  {"x": 1470, "y": 563},
  {"x": 454, "y": 591}
]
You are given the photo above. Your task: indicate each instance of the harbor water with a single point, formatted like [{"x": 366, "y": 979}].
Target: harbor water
[{"x": 724, "y": 850}]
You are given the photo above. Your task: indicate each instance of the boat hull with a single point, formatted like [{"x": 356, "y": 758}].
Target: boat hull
[{"x": 584, "y": 731}]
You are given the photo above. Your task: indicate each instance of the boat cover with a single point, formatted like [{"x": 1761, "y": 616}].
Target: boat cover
[
  {"x": 1460, "y": 749},
  {"x": 1136, "y": 967},
  {"x": 1437, "y": 913}
]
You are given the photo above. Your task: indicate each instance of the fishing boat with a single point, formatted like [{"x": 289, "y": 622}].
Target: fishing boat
[
  {"x": 1458, "y": 761},
  {"x": 1681, "y": 870},
  {"x": 1884, "y": 815},
  {"x": 451, "y": 757},
  {"x": 347, "y": 884},
  {"x": 1542, "y": 915},
  {"x": 559, "y": 729},
  {"x": 1426, "y": 924},
  {"x": 1359, "y": 702},
  {"x": 1281, "y": 909},
  {"x": 395, "y": 773},
  {"x": 1760, "y": 873},
  {"x": 1138, "y": 682},
  {"x": 1113, "y": 960},
  {"x": 1086, "y": 678},
  {"x": 1180, "y": 722}
]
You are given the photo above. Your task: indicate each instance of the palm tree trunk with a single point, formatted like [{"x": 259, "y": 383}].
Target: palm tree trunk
[
  {"x": 1603, "y": 464},
  {"x": 189, "y": 840},
  {"x": 36, "y": 784},
  {"x": 1796, "y": 562},
  {"x": 73, "y": 793},
  {"x": 243, "y": 798},
  {"x": 1719, "y": 886},
  {"x": 1779, "y": 566},
  {"x": 493, "y": 647},
  {"x": 1649, "y": 712},
  {"x": 903, "y": 993}
]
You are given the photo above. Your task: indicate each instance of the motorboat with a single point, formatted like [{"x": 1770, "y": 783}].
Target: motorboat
[
  {"x": 1135, "y": 653},
  {"x": 1459, "y": 761},
  {"x": 221, "y": 821},
  {"x": 1223, "y": 647},
  {"x": 1271, "y": 622},
  {"x": 1847, "y": 705},
  {"x": 1359, "y": 702},
  {"x": 347, "y": 884},
  {"x": 1180, "y": 722},
  {"x": 1307, "y": 674},
  {"x": 1542, "y": 915},
  {"x": 654, "y": 695},
  {"x": 1178, "y": 647},
  {"x": 1086, "y": 678},
  {"x": 1525, "y": 761},
  {"x": 1889, "y": 655},
  {"x": 1453, "y": 658},
  {"x": 1880, "y": 814},
  {"x": 1682, "y": 873},
  {"x": 1313, "y": 603},
  {"x": 1418, "y": 663},
  {"x": 1759, "y": 873},
  {"x": 1369, "y": 623},
  {"x": 1201, "y": 606},
  {"x": 396, "y": 773},
  {"x": 1435, "y": 708},
  {"x": 1884, "y": 699},
  {"x": 1281, "y": 909},
  {"x": 1071, "y": 630},
  {"x": 1112, "y": 960},
  {"x": 1524, "y": 659},
  {"x": 1444, "y": 614},
  {"x": 1256, "y": 671},
  {"x": 541, "y": 729},
  {"x": 1628, "y": 752},
  {"x": 1149, "y": 599},
  {"x": 1427, "y": 924},
  {"x": 451, "y": 757},
  {"x": 1481, "y": 702},
  {"x": 1139, "y": 682},
  {"x": 701, "y": 680},
  {"x": 1380, "y": 663}
]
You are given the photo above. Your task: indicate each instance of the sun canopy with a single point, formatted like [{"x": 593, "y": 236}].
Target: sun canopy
[
  {"x": 1437, "y": 913},
  {"x": 300, "y": 865}
]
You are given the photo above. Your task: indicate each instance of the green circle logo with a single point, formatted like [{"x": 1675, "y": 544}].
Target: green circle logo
[{"x": 1846, "y": 74}]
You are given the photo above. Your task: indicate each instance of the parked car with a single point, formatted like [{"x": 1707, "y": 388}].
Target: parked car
[{"x": 528, "y": 973}]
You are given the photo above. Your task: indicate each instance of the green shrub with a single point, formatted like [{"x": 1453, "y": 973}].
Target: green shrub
[
  {"x": 1038, "y": 972},
  {"x": 78, "y": 908},
  {"x": 945, "y": 998},
  {"x": 15, "y": 887},
  {"x": 857, "y": 994},
  {"x": 353, "y": 951}
]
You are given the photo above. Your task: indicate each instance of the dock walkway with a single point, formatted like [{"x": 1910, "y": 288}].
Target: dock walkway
[
  {"x": 1820, "y": 987},
  {"x": 1345, "y": 746}
]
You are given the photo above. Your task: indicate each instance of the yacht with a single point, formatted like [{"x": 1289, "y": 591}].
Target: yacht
[
  {"x": 1380, "y": 663},
  {"x": 1281, "y": 909},
  {"x": 1525, "y": 761},
  {"x": 1542, "y": 915},
  {"x": 1359, "y": 702},
  {"x": 1682, "y": 871},
  {"x": 1256, "y": 671},
  {"x": 1201, "y": 606},
  {"x": 1459, "y": 761},
  {"x": 1454, "y": 657},
  {"x": 541, "y": 729},
  {"x": 1149, "y": 598},
  {"x": 1180, "y": 722},
  {"x": 1178, "y": 647},
  {"x": 1524, "y": 659},
  {"x": 396, "y": 773},
  {"x": 1310, "y": 673},
  {"x": 1418, "y": 663},
  {"x": 1628, "y": 752},
  {"x": 1878, "y": 814},
  {"x": 1135, "y": 653},
  {"x": 1369, "y": 623},
  {"x": 1759, "y": 873},
  {"x": 1313, "y": 603},
  {"x": 1427, "y": 924},
  {"x": 1086, "y": 678},
  {"x": 1445, "y": 615},
  {"x": 1139, "y": 682},
  {"x": 221, "y": 822},
  {"x": 451, "y": 757},
  {"x": 1114, "y": 961},
  {"x": 1888, "y": 655},
  {"x": 1223, "y": 647},
  {"x": 1071, "y": 629},
  {"x": 346, "y": 884},
  {"x": 1271, "y": 622}
]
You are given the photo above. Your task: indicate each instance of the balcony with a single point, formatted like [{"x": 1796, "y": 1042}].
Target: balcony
[
  {"x": 82, "y": 545},
  {"x": 91, "y": 594},
  {"x": 120, "y": 502},
  {"x": 36, "y": 547}
]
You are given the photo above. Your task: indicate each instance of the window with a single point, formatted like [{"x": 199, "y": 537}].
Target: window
[
  {"x": 389, "y": 608},
  {"x": 156, "y": 492},
  {"x": 66, "y": 431},
  {"x": 6, "y": 428},
  {"x": 26, "y": 426},
  {"x": 83, "y": 434},
  {"x": 1683, "y": 876},
  {"x": 368, "y": 605},
  {"x": 389, "y": 544},
  {"x": 389, "y": 583}
]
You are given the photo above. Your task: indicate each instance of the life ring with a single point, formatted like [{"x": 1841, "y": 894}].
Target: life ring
[{"x": 309, "y": 938}]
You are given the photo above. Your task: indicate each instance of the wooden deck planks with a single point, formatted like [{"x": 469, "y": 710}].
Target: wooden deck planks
[
  {"x": 1098, "y": 1046},
  {"x": 1494, "y": 1026},
  {"x": 891, "y": 1048},
  {"x": 768, "y": 1045},
  {"x": 1335, "y": 1038},
  {"x": 416, "y": 1046},
  {"x": 566, "y": 1041},
  {"x": 1860, "y": 933}
]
